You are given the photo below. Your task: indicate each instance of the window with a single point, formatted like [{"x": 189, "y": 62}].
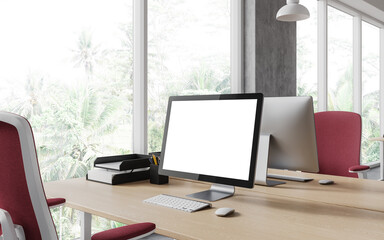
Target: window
[
  {"x": 188, "y": 53},
  {"x": 307, "y": 54},
  {"x": 370, "y": 92},
  {"x": 67, "y": 67},
  {"x": 352, "y": 79},
  {"x": 340, "y": 60},
  {"x": 71, "y": 77}
]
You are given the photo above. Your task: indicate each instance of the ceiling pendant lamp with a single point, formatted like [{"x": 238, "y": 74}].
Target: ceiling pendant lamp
[{"x": 292, "y": 12}]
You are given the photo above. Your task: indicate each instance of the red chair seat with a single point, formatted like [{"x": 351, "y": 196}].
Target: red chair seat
[
  {"x": 126, "y": 232},
  {"x": 55, "y": 201},
  {"x": 357, "y": 168}
]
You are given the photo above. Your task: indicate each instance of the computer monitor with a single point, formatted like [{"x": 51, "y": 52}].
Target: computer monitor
[
  {"x": 287, "y": 138},
  {"x": 212, "y": 138}
]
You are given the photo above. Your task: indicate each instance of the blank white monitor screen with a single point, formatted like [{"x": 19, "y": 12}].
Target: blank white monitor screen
[{"x": 211, "y": 137}]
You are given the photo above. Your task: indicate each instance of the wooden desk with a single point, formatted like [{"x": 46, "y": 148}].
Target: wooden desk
[
  {"x": 261, "y": 213},
  {"x": 349, "y": 192}
]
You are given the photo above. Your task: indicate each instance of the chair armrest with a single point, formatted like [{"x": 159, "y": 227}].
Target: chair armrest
[
  {"x": 129, "y": 232},
  {"x": 7, "y": 226},
  {"x": 19, "y": 232},
  {"x": 359, "y": 168},
  {"x": 55, "y": 202}
]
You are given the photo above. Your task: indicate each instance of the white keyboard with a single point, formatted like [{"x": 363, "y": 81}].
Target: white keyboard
[{"x": 177, "y": 203}]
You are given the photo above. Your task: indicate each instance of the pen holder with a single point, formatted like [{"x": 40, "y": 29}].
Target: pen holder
[{"x": 154, "y": 176}]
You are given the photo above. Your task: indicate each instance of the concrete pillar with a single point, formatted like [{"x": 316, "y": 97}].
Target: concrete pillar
[{"x": 269, "y": 50}]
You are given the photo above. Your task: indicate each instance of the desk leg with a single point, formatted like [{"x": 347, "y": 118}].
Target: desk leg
[
  {"x": 86, "y": 225},
  {"x": 61, "y": 223},
  {"x": 381, "y": 161}
]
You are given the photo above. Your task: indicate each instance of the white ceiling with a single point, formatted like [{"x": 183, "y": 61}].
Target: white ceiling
[{"x": 377, "y": 3}]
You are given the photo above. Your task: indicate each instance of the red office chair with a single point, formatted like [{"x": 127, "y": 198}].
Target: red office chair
[
  {"x": 338, "y": 136},
  {"x": 22, "y": 197}
]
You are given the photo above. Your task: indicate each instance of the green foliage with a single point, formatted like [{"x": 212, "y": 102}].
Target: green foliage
[
  {"x": 73, "y": 124},
  {"x": 199, "y": 81},
  {"x": 173, "y": 67},
  {"x": 155, "y": 130},
  {"x": 371, "y": 127},
  {"x": 76, "y": 120},
  {"x": 340, "y": 95},
  {"x": 340, "y": 99},
  {"x": 306, "y": 84},
  {"x": 204, "y": 80},
  {"x": 80, "y": 118},
  {"x": 68, "y": 223}
]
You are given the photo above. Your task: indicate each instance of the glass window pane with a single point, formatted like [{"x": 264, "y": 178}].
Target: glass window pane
[
  {"x": 188, "y": 54},
  {"x": 371, "y": 94},
  {"x": 340, "y": 60},
  {"x": 67, "y": 67},
  {"x": 307, "y": 54}
]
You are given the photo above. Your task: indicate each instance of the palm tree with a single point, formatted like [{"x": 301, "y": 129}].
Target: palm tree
[
  {"x": 29, "y": 102},
  {"x": 80, "y": 119},
  {"x": 86, "y": 53},
  {"x": 203, "y": 80}
]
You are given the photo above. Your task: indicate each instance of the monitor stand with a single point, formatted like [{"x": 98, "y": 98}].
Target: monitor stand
[
  {"x": 217, "y": 192},
  {"x": 262, "y": 166},
  {"x": 262, "y": 163}
]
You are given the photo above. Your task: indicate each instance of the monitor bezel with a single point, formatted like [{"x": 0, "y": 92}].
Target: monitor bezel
[{"x": 217, "y": 179}]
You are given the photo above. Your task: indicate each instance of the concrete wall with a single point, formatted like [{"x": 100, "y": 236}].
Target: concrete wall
[{"x": 269, "y": 50}]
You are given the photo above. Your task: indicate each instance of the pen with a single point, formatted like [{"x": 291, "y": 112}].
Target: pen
[{"x": 154, "y": 159}]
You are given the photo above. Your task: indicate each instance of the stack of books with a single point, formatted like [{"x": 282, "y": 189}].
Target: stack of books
[{"x": 120, "y": 169}]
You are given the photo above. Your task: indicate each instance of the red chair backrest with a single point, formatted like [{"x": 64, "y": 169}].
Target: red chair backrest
[
  {"x": 338, "y": 136},
  {"x": 14, "y": 194},
  {"x": 21, "y": 192}
]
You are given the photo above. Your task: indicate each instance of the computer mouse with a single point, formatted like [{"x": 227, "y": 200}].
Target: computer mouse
[
  {"x": 326, "y": 182},
  {"x": 223, "y": 212}
]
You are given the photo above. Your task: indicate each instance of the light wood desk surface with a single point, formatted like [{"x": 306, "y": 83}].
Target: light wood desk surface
[
  {"x": 350, "y": 192},
  {"x": 261, "y": 213},
  {"x": 380, "y": 139}
]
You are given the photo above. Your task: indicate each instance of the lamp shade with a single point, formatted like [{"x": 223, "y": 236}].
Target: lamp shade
[{"x": 293, "y": 11}]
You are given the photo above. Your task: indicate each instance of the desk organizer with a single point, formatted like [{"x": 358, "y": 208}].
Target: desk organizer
[
  {"x": 120, "y": 169},
  {"x": 123, "y": 162},
  {"x": 154, "y": 176}
]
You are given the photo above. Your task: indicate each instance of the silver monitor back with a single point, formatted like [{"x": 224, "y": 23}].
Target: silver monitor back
[{"x": 290, "y": 122}]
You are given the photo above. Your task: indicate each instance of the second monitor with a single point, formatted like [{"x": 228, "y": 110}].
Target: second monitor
[{"x": 287, "y": 138}]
